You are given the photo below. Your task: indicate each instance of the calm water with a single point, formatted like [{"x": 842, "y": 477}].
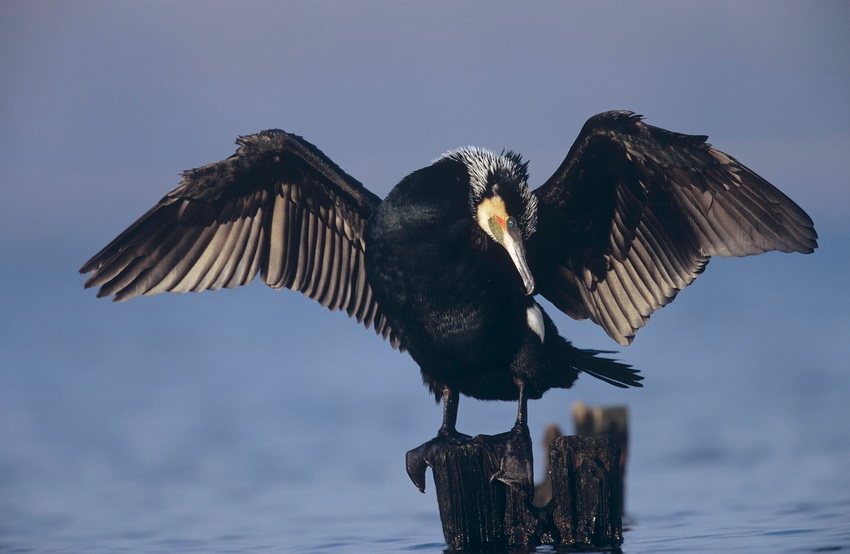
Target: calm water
[{"x": 250, "y": 420}]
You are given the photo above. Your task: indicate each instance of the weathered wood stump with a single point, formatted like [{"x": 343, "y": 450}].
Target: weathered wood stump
[
  {"x": 594, "y": 421},
  {"x": 479, "y": 513}
]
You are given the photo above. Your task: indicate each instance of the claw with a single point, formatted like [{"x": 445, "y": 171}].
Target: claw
[
  {"x": 416, "y": 466},
  {"x": 419, "y": 458}
]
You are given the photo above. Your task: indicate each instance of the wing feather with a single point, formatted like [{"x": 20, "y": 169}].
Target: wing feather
[
  {"x": 278, "y": 207},
  {"x": 195, "y": 264},
  {"x": 634, "y": 213}
]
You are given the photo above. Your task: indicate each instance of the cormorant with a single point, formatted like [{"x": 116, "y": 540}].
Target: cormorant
[{"x": 448, "y": 265}]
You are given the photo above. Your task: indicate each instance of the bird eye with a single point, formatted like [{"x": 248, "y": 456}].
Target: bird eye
[{"x": 510, "y": 223}]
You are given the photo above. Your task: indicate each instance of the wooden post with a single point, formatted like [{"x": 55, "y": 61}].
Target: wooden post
[
  {"x": 594, "y": 421},
  {"x": 543, "y": 490},
  {"x": 586, "y": 491},
  {"x": 477, "y": 512}
]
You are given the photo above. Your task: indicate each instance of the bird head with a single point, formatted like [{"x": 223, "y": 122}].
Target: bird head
[{"x": 501, "y": 203}]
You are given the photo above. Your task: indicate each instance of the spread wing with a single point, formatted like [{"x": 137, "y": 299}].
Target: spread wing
[
  {"x": 634, "y": 212},
  {"x": 278, "y": 206}
]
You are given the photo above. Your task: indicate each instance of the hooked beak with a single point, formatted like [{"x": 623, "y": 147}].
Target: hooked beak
[{"x": 516, "y": 250}]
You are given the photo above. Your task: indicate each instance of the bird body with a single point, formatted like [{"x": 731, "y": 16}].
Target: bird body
[
  {"x": 448, "y": 265},
  {"x": 452, "y": 294}
]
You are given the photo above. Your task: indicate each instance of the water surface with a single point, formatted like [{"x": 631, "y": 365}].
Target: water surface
[{"x": 252, "y": 420}]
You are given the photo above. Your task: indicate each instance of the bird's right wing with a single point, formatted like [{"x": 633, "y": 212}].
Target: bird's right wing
[{"x": 278, "y": 206}]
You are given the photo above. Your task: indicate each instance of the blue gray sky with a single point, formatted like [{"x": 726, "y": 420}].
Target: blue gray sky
[{"x": 104, "y": 103}]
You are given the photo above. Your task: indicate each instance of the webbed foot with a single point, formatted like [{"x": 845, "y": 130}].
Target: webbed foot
[
  {"x": 513, "y": 450},
  {"x": 419, "y": 458}
]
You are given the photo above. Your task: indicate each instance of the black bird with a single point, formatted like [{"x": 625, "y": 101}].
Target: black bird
[{"x": 447, "y": 266}]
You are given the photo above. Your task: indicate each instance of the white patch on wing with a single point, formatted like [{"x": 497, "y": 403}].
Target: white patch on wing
[{"x": 534, "y": 316}]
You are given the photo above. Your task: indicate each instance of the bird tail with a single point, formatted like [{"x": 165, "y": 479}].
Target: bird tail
[
  {"x": 605, "y": 369},
  {"x": 580, "y": 360}
]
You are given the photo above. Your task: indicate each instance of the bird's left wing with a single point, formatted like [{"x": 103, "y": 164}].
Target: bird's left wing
[
  {"x": 634, "y": 212},
  {"x": 278, "y": 206}
]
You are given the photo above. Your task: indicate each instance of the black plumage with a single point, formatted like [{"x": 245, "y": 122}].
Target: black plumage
[{"x": 447, "y": 265}]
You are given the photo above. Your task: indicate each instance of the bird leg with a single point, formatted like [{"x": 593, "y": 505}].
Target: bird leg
[
  {"x": 450, "y": 403},
  {"x": 516, "y": 460},
  {"x": 509, "y": 454},
  {"x": 419, "y": 458}
]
